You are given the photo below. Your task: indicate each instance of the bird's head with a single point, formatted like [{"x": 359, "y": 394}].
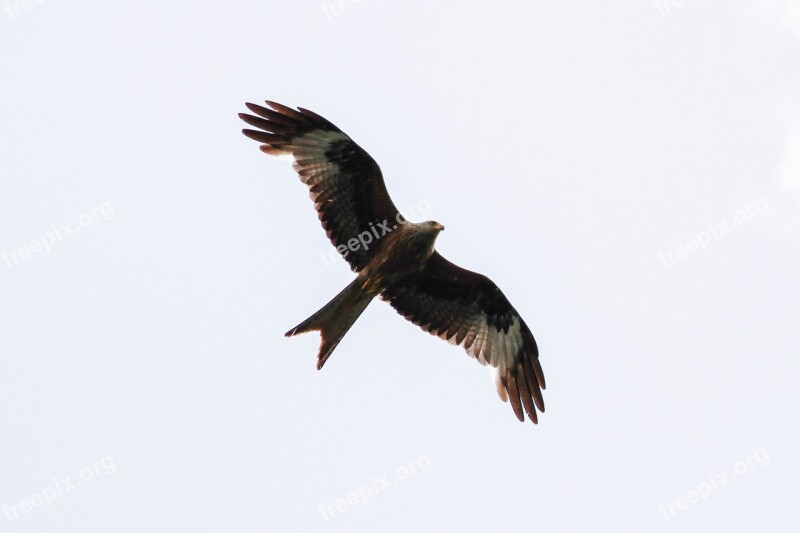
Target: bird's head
[
  {"x": 434, "y": 226},
  {"x": 426, "y": 233}
]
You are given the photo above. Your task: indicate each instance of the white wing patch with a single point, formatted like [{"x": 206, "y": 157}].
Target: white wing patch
[
  {"x": 497, "y": 383},
  {"x": 307, "y": 148},
  {"x": 491, "y": 347}
]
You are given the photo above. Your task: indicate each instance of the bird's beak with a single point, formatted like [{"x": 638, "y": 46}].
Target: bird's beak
[{"x": 439, "y": 227}]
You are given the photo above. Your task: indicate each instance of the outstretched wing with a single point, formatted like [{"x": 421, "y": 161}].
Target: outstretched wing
[
  {"x": 345, "y": 183},
  {"x": 469, "y": 310}
]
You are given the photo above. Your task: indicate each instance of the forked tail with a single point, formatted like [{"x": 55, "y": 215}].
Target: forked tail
[{"x": 335, "y": 319}]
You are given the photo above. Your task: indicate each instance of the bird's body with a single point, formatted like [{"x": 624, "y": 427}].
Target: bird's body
[
  {"x": 406, "y": 250},
  {"x": 395, "y": 259}
]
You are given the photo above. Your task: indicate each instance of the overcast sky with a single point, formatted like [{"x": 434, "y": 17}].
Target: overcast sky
[{"x": 627, "y": 172}]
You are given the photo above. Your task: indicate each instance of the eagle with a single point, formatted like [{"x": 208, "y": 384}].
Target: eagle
[{"x": 395, "y": 259}]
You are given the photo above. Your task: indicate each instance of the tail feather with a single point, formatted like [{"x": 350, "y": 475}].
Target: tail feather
[{"x": 335, "y": 319}]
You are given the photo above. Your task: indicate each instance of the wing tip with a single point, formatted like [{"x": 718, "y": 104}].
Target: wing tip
[
  {"x": 523, "y": 399},
  {"x": 271, "y": 150},
  {"x": 252, "y": 107}
]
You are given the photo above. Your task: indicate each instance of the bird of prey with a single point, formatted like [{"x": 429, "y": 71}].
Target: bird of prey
[{"x": 395, "y": 259}]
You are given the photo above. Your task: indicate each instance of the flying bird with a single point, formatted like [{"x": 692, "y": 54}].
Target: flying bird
[{"x": 395, "y": 259}]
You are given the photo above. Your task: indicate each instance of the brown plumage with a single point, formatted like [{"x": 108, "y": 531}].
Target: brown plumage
[{"x": 395, "y": 259}]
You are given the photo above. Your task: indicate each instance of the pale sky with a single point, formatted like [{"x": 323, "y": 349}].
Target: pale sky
[{"x": 627, "y": 172}]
